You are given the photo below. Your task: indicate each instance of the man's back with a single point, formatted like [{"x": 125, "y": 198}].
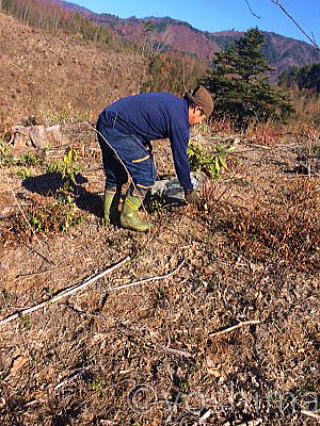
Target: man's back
[{"x": 149, "y": 115}]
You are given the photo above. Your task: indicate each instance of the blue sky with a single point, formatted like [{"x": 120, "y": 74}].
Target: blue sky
[{"x": 217, "y": 15}]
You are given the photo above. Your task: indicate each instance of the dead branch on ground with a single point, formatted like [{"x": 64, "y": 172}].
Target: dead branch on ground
[{"x": 241, "y": 324}]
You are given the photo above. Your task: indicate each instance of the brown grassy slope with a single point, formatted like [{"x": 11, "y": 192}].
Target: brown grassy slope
[{"x": 53, "y": 74}]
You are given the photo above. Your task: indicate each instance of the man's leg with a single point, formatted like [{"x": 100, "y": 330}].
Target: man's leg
[
  {"x": 111, "y": 198},
  {"x": 115, "y": 173},
  {"x": 143, "y": 173},
  {"x": 138, "y": 162},
  {"x": 130, "y": 217}
]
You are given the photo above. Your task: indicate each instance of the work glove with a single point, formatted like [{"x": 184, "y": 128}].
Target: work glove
[{"x": 192, "y": 197}]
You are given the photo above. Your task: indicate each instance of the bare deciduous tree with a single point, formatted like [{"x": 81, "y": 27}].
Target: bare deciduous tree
[{"x": 278, "y": 3}]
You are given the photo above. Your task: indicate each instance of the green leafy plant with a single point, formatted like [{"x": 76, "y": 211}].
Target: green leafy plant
[
  {"x": 96, "y": 384},
  {"x": 28, "y": 159},
  {"x": 26, "y": 321},
  {"x": 6, "y": 158},
  {"x": 67, "y": 168},
  {"x": 22, "y": 173},
  {"x": 57, "y": 216},
  {"x": 211, "y": 164}
]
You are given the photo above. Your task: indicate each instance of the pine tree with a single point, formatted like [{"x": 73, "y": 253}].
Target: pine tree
[{"x": 238, "y": 78}]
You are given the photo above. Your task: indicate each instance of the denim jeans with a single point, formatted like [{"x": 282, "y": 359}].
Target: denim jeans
[{"x": 135, "y": 155}]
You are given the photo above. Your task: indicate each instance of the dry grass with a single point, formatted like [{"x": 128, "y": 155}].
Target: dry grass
[
  {"x": 223, "y": 126},
  {"x": 264, "y": 133},
  {"x": 288, "y": 232},
  {"x": 104, "y": 357}
]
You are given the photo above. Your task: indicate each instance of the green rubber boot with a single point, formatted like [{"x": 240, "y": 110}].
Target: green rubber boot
[
  {"x": 110, "y": 207},
  {"x": 130, "y": 217}
]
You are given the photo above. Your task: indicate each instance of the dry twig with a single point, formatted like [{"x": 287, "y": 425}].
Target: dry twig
[
  {"x": 251, "y": 10},
  {"x": 311, "y": 414},
  {"x": 77, "y": 287},
  {"x": 227, "y": 330},
  {"x": 174, "y": 351},
  {"x": 284, "y": 10},
  {"x": 204, "y": 417},
  {"x": 147, "y": 280}
]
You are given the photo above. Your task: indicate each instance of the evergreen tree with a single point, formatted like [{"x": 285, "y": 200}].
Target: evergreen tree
[{"x": 238, "y": 78}]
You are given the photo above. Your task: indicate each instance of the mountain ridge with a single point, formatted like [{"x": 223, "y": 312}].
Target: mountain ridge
[{"x": 170, "y": 34}]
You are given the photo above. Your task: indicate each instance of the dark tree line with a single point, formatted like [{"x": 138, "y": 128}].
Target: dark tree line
[{"x": 307, "y": 77}]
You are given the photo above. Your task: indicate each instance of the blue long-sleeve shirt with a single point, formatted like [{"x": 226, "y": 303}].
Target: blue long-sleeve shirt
[{"x": 155, "y": 116}]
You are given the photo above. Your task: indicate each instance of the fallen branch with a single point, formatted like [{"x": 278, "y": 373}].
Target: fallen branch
[
  {"x": 147, "y": 280},
  {"x": 77, "y": 287},
  {"x": 64, "y": 293},
  {"x": 227, "y": 330},
  {"x": 174, "y": 351},
  {"x": 311, "y": 414}
]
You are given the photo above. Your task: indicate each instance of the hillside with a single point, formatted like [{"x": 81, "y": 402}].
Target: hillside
[
  {"x": 53, "y": 74},
  {"x": 171, "y": 34},
  {"x": 211, "y": 318}
]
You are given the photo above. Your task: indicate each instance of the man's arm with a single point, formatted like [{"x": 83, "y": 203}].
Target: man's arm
[{"x": 179, "y": 142}]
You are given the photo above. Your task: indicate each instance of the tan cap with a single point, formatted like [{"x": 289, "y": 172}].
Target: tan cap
[{"x": 202, "y": 98}]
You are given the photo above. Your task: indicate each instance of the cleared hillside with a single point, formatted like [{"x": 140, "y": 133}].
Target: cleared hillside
[{"x": 54, "y": 74}]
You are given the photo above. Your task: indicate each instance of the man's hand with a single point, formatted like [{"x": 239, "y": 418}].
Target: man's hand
[{"x": 192, "y": 197}]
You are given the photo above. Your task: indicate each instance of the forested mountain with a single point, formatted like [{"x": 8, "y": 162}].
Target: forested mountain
[{"x": 167, "y": 34}]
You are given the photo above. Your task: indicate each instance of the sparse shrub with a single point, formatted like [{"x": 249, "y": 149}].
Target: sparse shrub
[
  {"x": 212, "y": 193},
  {"x": 7, "y": 159},
  {"x": 66, "y": 115},
  {"x": 262, "y": 133},
  {"x": 289, "y": 232},
  {"x": 211, "y": 164},
  {"x": 223, "y": 126},
  {"x": 49, "y": 216},
  {"x": 28, "y": 159},
  {"x": 55, "y": 216}
]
